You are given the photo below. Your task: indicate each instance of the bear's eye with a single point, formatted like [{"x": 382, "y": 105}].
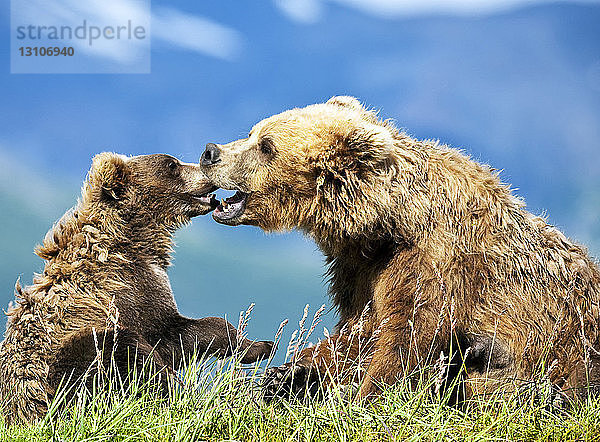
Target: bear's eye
[
  {"x": 266, "y": 146},
  {"x": 172, "y": 165}
]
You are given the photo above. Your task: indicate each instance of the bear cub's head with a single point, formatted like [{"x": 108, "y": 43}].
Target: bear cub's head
[{"x": 149, "y": 188}]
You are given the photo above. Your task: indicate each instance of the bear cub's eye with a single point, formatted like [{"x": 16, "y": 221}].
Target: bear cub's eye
[
  {"x": 266, "y": 146},
  {"x": 172, "y": 165}
]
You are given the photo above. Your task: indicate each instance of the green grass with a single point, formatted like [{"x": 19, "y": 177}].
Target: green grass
[{"x": 221, "y": 401}]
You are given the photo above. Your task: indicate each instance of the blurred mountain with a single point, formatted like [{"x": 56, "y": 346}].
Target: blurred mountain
[{"x": 519, "y": 90}]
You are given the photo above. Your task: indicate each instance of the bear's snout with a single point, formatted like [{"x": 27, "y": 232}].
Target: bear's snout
[{"x": 210, "y": 155}]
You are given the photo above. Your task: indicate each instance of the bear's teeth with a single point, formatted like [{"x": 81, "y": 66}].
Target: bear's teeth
[{"x": 224, "y": 204}]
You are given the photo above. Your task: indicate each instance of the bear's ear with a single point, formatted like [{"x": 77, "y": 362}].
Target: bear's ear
[
  {"x": 346, "y": 101},
  {"x": 109, "y": 175},
  {"x": 364, "y": 148},
  {"x": 356, "y": 154}
]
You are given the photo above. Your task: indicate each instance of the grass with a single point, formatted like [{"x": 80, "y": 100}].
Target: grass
[{"x": 221, "y": 401}]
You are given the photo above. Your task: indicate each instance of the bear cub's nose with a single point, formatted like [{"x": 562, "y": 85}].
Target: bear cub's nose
[{"x": 211, "y": 155}]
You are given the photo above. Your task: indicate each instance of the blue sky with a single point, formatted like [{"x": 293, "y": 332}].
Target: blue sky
[{"x": 516, "y": 84}]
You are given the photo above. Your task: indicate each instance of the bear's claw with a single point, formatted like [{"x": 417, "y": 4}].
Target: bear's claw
[{"x": 290, "y": 381}]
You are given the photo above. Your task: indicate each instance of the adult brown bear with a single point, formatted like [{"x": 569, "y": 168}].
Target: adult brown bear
[
  {"x": 444, "y": 253},
  {"x": 106, "y": 265}
]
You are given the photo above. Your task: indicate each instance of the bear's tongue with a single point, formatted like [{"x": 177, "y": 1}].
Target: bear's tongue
[{"x": 231, "y": 207}]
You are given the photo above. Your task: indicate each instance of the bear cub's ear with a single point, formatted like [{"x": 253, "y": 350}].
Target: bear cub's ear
[
  {"x": 109, "y": 175},
  {"x": 346, "y": 101}
]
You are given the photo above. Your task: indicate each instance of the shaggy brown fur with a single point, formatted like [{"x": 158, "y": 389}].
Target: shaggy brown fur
[
  {"x": 445, "y": 255},
  {"x": 106, "y": 262}
]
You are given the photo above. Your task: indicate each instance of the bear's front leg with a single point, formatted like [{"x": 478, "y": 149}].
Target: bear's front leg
[
  {"x": 407, "y": 343},
  {"x": 78, "y": 357},
  {"x": 386, "y": 369},
  {"x": 392, "y": 358},
  {"x": 207, "y": 337}
]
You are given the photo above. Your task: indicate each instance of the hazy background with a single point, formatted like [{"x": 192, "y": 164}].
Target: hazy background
[{"x": 514, "y": 83}]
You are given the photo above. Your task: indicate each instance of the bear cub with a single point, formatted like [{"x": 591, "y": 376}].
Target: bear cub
[{"x": 105, "y": 284}]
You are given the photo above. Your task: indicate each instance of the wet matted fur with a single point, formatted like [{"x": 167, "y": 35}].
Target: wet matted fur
[{"x": 442, "y": 251}]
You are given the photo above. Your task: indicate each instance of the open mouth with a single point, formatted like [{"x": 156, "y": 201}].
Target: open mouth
[
  {"x": 208, "y": 200},
  {"x": 232, "y": 207},
  {"x": 205, "y": 197}
]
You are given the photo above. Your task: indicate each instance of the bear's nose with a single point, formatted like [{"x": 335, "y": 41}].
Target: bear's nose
[{"x": 210, "y": 155}]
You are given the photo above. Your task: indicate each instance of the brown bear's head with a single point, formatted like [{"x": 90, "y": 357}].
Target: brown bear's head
[
  {"x": 157, "y": 189},
  {"x": 323, "y": 168}
]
